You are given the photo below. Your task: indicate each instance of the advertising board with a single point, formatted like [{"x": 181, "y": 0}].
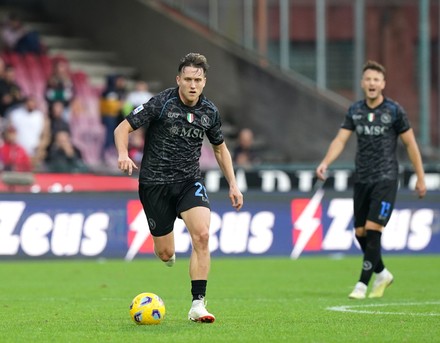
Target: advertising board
[{"x": 113, "y": 225}]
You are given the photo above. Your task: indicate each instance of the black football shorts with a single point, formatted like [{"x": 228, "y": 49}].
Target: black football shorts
[
  {"x": 374, "y": 202},
  {"x": 164, "y": 203}
]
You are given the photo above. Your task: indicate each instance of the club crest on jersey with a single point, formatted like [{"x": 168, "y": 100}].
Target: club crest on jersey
[
  {"x": 385, "y": 118},
  {"x": 371, "y": 117},
  {"x": 138, "y": 109},
  {"x": 190, "y": 117},
  {"x": 205, "y": 120}
]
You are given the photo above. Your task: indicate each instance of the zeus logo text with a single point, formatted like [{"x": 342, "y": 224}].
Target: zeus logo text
[
  {"x": 314, "y": 226},
  {"x": 231, "y": 233},
  {"x": 407, "y": 228},
  {"x": 63, "y": 234}
]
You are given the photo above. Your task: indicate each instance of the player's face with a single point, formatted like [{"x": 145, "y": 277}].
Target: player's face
[
  {"x": 191, "y": 82},
  {"x": 373, "y": 83}
]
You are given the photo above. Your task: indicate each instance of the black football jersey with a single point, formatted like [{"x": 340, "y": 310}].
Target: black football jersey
[
  {"x": 377, "y": 132},
  {"x": 174, "y": 136}
]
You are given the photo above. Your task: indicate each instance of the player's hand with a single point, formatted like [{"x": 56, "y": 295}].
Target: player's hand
[
  {"x": 126, "y": 165},
  {"x": 321, "y": 171},
  {"x": 420, "y": 188},
  {"x": 236, "y": 198}
]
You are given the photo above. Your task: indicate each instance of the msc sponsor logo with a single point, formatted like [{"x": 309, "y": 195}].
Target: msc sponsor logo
[
  {"x": 371, "y": 130},
  {"x": 191, "y": 132},
  {"x": 187, "y": 132}
]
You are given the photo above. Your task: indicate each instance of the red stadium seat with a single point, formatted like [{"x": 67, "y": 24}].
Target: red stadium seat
[
  {"x": 46, "y": 65},
  {"x": 21, "y": 74},
  {"x": 36, "y": 76}
]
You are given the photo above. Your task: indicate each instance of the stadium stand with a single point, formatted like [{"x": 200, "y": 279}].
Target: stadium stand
[
  {"x": 287, "y": 126},
  {"x": 88, "y": 69}
]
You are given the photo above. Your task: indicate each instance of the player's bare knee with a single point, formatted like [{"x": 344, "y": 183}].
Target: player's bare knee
[
  {"x": 164, "y": 255},
  {"x": 201, "y": 239},
  {"x": 360, "y": 231}
]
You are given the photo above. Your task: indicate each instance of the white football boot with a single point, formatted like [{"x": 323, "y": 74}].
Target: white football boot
[
  {"x": 198, "y": 312},
  {"x": 383, "y": 280},
  {"x": 359, "y": 291}
]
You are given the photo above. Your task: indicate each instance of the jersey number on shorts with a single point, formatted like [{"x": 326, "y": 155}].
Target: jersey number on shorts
[
  {"x": 201, "y": 191},
  {"x": 385, "y": 210}
]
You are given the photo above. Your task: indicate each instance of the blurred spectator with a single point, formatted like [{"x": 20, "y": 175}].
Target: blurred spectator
[
  {"x": 32, "y": 128},
  {"x": 244, "y": 154},
  {"x": 56, "y": 120},
  {"x": 63, "y": 156},
  {"x": 2, "y": 68},
  {"x": 13, "y": 157},
  {"x": 17, "y": 37},
  {"x": 11, "y": 94},
  {"x": 111, "y": 104},
  {"x": 138, "y": 96},
  {"x": 60, "y": 86},
  {"x": 2, "y": 80},
  {"x": 87, "y": 133}
]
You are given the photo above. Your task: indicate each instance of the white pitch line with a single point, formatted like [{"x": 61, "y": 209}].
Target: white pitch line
[{"x": 353, "y": 308}]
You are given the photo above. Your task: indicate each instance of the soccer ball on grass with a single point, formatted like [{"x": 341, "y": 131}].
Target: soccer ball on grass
[{"x": 147, "y": 308}]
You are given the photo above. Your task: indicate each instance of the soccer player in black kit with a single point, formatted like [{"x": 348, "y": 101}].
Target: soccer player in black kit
[
  {"x": 378, "y": 122},
  {"x": 170, "y": 182}
]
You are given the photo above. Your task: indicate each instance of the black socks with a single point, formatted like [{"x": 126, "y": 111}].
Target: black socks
[
  {"x": 363, "y": 243},
  {"x": 372, "y": 255},
  {"x": 198, "y": 289}
]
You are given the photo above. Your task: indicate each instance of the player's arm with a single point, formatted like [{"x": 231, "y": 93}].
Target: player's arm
[
  {"x": 224, "y": 160},
  {"x": 121, "y": 141},
  {"x": 414, "y": 155},
  {"x": 334, "y": 150}
]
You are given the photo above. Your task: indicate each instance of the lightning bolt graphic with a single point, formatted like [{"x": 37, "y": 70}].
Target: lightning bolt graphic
[
  {"x": 307, "y": 224},
  {"x": 140, "y": 226}
]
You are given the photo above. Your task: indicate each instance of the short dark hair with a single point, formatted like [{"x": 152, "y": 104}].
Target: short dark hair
[
  {"x": 374, "y": 66},
  {"x": 195, "y": 60}
]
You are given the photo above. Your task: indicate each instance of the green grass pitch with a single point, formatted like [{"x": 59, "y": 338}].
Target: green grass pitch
[{"x": 254, "y": 300}]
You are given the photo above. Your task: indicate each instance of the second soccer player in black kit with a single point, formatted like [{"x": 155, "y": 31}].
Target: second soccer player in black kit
[
  {"x": 170, "y": 182},
  {"x": 378, "y": 122}
]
